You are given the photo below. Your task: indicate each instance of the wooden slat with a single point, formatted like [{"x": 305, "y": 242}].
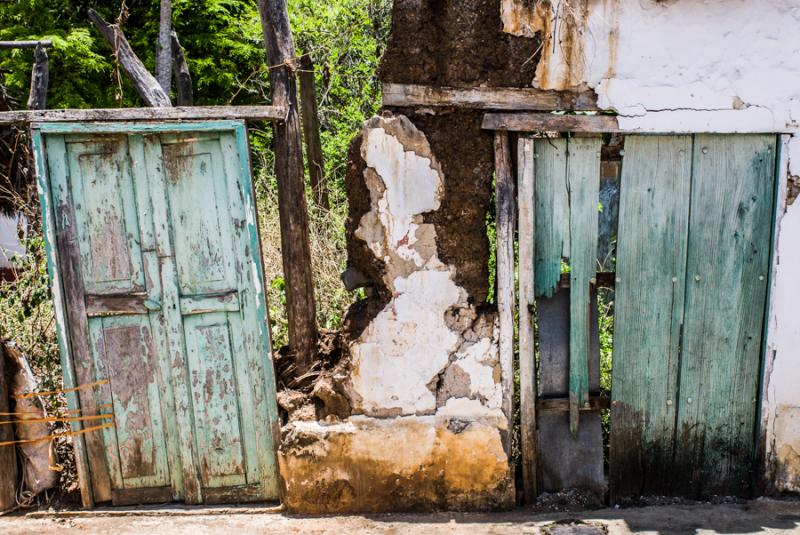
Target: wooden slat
[
  {"x": 488, "y": 98},
  {"x": 730, "y": 229},
  {"x": 550, "y": 122},
  {"x": 596, "y": 402},
  {"x": 26, "y": 44},
  {"x": 552, "y": 213},
  {"x": 505, "y": 210},
  {"x": 527, "y": 346},
  {"x": 651, "y": 259},
  {"x": 186, "y": 113},
  {"x": 201, "y": 304},
  {"x": 141, "y": 496},
  {"x": 311, "y": 131},
  {"x": 583, "y": 173},
  {"x": 8, "y": 455}
]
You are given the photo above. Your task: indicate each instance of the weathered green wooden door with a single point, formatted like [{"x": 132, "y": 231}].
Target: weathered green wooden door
[
  {"x": 157, "y": 271},
  {"x": 693, "y": 255}
]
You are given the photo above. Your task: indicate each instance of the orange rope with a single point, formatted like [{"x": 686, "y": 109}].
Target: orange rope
[
  {"x": 57, "y": 419},
  {"x": 62, "y": 391},
  {"x": 66, "y": 434}
]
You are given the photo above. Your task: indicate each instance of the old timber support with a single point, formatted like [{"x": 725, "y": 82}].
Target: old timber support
[{"x": 301, "y": 308}]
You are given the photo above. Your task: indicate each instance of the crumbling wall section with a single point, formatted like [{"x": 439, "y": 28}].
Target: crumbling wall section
[{"x": 427, "y": 429}]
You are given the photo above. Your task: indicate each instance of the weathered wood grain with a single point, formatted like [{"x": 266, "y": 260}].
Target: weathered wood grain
[
  {"x": 164, "y": 46},
  {"x": 296, "y": 251},
  {"x": 181, "y": 73},
  {"x": 506, "y": 216},
  {"x": 550, "y": 122},
  {"x": 583, "y": 174},
  {"x": 46, "y": 43},
  {"x": 144, "y": 82},
  {"x": 730, "y": 230},
  {"x": 649, "y": 296},
  {"x": 526, "y": 172},
  {"x": 188, "y": 113},
  {"x": 8, "y": 454},
  {"x": 311, "y": 130},
  {"x": 488, "y": 98},
  {"x": 40, "y": 79},
  {"x": 552, "y": 214}
]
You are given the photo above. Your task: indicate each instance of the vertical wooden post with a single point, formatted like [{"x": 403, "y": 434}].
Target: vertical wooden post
[
  {"x": 164, "y": 47},
  {"x": 8, "y": 454},
  {"x": 504, "y": 198},
  {"x": 292, "y": 208},
  {"x": 310, "y": 117},
  {"x": 40, "y": 79},
  {"x": 527, "y": 364},
  {"x": 183, "y": 77}
]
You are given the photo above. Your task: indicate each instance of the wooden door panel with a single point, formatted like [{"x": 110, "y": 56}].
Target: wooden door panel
[
  {"x": 726, "y": 286},
  {"x": 215, "y": 395},
  {"x": 105, "y": 212},
  {"x": 125, "y": 354},
  {"x": 200, "y": 222},
  {"x": 651, "y": 265}
]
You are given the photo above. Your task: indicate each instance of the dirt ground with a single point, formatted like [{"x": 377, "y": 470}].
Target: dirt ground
[{"x": 758, "y": 516}]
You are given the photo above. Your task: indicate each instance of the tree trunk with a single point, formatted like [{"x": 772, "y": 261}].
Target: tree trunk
[
  {"x": 40, "y": 79},
  {"x": 164, "y": 47},
  {"x": 183, "y": 77},
  {"x": 144, "y": 82},
  {"x": 310, "y": 117},
  {"x": 301, "y": 308}
]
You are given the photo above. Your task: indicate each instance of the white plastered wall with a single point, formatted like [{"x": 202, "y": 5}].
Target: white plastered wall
[{"x": 706, "y": 66}]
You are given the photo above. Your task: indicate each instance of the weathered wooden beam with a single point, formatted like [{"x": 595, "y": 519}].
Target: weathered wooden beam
[
  {"x": 311, "y": 130},
  {"x": 144, "y": 82},
  {"x": 595, "y": 403},
  {"x": 26, "y": 44},
  {"x": 253, "y": 113},
  {"x": 488, "y": 98},
  {"x": 292, "y": 208},
  {"x": 527, "y": 349},
  {"x": 505, "y": 216},
  {"x": 164, "y": 46},
  {"x": 8, "y": 454},
  {"x": 550, "y": 122},
  {"x": 181, "y": 73},
  {"x": 40, "y": 80}
]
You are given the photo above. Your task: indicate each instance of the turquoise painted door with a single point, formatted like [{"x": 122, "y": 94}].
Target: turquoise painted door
[
  {"x": 157, "y": 266},
  {"x": 693, "y": 256}
]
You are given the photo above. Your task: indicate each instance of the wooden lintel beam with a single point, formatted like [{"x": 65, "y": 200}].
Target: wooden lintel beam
[
  {"x": 488, "y": 98},
  {"x": 550, "y": 122},
  {"x": 252, "y": 113},
  {"x": 26, "y": 44}
]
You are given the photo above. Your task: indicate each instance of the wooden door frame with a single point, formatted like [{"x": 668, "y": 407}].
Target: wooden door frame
[
  {"x": 502, "y": 125},
  {"x": 57, "y": 282}
]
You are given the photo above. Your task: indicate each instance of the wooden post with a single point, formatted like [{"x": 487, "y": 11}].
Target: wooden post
[
  {"x": 164, "y": 47},
  {"x": 527, "y": 364},
  {"x": 310, "y": 117},
  {"x": 144, "y": 82},
  {"x": 183, "y": 77},
  {"x": 301, "y": 308},
  {"x": 8, "y": 454},
  {"x": 504, "y": 197},
  {"x": 40, "y": 79}
]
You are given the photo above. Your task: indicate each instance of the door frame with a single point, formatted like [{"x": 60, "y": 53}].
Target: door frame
[
  {"x": 38, "y": 133},
  {"x": 503, "y": 125}
]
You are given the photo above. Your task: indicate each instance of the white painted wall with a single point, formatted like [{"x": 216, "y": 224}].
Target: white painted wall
[{"x": 698, "y": 65}]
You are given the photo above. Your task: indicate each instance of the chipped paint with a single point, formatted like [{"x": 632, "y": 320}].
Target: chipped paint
[{"x": 424, "y": 373}]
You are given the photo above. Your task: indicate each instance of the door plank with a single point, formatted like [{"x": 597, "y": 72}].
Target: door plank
[
  {"x": 69, "y": 253},
  {"x": 583, "y": 173},
  {"x": 257, "y": 344},
  {"x": 651, "y": 259},
  {"x": 551, "y": 213},
  {"x": 729, "y": 249}
]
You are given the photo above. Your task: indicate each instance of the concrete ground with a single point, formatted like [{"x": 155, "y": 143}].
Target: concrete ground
[{"x": 758, "y": 516}]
